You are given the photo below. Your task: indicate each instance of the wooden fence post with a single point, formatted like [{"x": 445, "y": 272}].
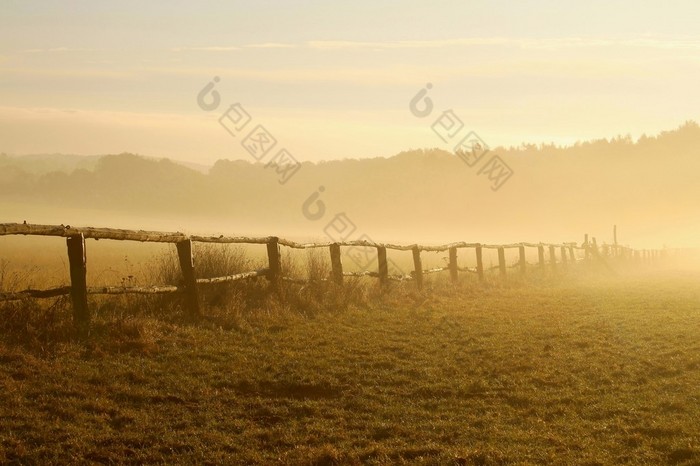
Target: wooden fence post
[
  {"x": 540, "y": 256},
  {"x": 184, "y": 254},
  {"x": 553, "y": 258},
  {"x": 479, "y": 263},
  {"x": 454, "y": 271},
  {"x": 274, "y": 260},
  {"x": 383, "y": 265},
  {"x": 563, "y": 257},
  {"x": 78, "y": 283},
  {"x": 594, "y": 247},
  {"x": 417, "y": 268},
  {"x": 502, "y": 261},
  {"x": 586, "y": 247},
  {"x": 523, "y": 261},
  {"x": 571, "y": 255},
  {"x": 336, "y": 264}
]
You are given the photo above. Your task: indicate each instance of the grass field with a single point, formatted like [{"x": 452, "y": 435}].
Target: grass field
[{"x": 580, "y": 371}]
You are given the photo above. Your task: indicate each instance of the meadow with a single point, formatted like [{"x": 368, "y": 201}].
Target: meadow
[{"x": 583, "y": 368}]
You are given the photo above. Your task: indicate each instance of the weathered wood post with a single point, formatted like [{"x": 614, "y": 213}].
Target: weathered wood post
[
  {"x": 186, "y": 259},
  {"x": 594, "y": 247},
  {"x": 553, "y": 258},
  {"x": 78, "y": 284},
  {"x": 502, "y": 261},
  {"x": 274, "y": 260},
  {"x": 540, "y": 256},
  {"x": 572, "y": 257},
  {"x": 336, "y": 264},
  {"x": 454, "y": 270},
  {"x": 417, "y": 268},
  {"x": 383, "y": 266},
  {"x": 586, "y": 246},
  {"x": 522, "y": 261},
  {"x": 563, "y": 257},
  {"x": 479, "y": 263}
]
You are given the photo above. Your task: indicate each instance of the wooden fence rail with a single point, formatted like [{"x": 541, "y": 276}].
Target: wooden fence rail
[{"x": 79, "y": 291}]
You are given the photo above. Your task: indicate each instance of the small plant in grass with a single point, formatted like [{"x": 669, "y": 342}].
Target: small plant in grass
[
  {"x": 36, "y": 325},
  {"x": 16, "y": 280},
  {"x": 317, "y": 264}
]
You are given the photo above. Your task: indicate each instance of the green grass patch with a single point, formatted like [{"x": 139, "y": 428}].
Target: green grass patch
[{"x": 597, "y": 372}]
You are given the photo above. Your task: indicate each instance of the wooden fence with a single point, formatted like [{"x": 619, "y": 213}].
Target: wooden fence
[{"x": 79, "y": 291}]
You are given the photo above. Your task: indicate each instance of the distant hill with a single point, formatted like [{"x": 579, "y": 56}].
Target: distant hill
[
  {"x": 40, "y": 164},
  {"x": 648, "y": 187}
]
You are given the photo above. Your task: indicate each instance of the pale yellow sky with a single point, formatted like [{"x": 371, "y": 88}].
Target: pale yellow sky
[{"x": 332, "y": 81}]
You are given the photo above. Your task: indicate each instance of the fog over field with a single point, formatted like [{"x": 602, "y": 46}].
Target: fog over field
[{"x": 429, "y": 195}]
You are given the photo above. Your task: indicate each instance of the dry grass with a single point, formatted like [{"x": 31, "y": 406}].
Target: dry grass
[{"x": 585, "y": 372}]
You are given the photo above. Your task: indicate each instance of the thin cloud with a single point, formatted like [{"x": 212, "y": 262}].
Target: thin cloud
[
  {"x": 581, "y": 42},
  {"x": 540, "y": 43},
  {"x": 271, "y": 45},
  {"x": 369, "y": 76},
  {"x": 213, "y": 48},
  {"x": 405, "y": 44},
  {"x": 57, "y": 50},
  {"x": 111, "y": 116},
  {"x": 229, "y": 48},
  {"x": 72, "y": 72},
  {"x": 372, "y": 76}
]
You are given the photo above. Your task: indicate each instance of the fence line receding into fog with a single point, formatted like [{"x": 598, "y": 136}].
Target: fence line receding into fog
[{"x": 78, "y": 289}]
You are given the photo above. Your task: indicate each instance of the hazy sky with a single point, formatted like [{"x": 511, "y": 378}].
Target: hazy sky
[{"x": 333, "y": 80}]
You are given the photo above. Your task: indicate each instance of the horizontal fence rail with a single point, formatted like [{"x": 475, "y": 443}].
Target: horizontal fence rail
[
  {"x": 78, "y": 290},
  {"x": 66, "y": 231}
]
